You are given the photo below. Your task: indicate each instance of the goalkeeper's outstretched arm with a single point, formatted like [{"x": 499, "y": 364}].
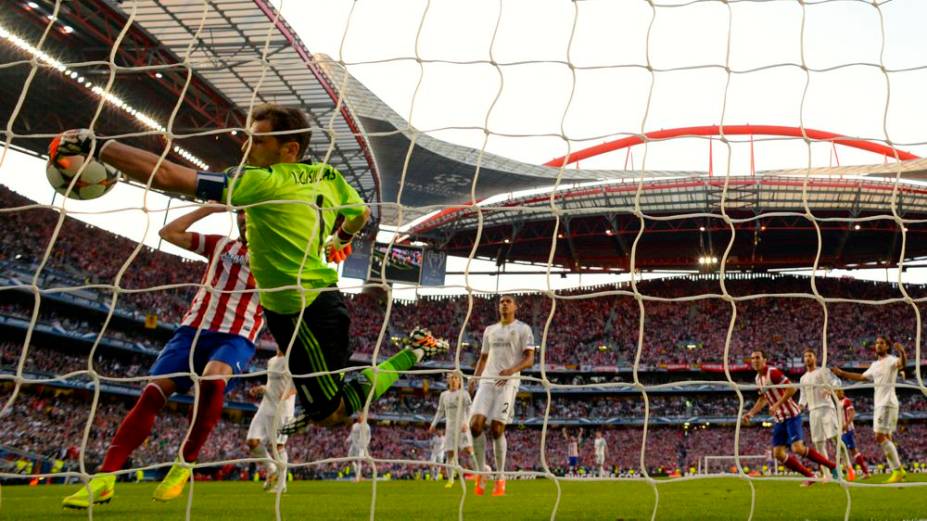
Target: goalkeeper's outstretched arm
[{"x": 139, "y": 164}]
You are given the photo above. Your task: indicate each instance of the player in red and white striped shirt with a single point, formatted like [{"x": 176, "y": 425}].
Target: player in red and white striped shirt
[
  {"x": 849, "y": 433},
  {"x": 219, "y": 328},
  {"x": 787, "y": 432}
]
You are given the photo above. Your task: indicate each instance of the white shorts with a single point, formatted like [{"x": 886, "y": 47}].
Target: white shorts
[
  {"x": 357, "y": 452},
  {"x": 824, "y": 425},
  {"x": 600, "y": 459},
  {"x": 437, "y": 457},
  {"x": 885, "y": 420},
  {"x": 263, "y": 428},
  {"x": 463, "y": 440},
  {"x": 494, "y": 402}
]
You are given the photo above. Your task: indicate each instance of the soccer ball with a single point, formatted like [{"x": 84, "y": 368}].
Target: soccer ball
[{"x": 95, "y": 180}]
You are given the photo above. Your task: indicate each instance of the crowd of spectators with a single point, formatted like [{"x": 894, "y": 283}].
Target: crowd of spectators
[
  {"x": 45, "y": 362},
  {"x": 52, "y": 425},
  {"x": 625, "y": 406},
  {"x": 590, "y": 327}
]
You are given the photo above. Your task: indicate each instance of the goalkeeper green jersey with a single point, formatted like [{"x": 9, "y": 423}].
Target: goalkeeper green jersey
[{"x": 295, "y": 206}]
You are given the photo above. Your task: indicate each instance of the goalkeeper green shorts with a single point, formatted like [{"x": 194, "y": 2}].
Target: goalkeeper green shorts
[{"x": 320, "y": 344}]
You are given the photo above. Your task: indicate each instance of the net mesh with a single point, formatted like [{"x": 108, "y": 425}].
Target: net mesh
[{"x": 572, "y": 19}]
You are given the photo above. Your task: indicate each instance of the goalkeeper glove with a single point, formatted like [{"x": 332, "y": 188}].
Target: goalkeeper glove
[
  {"x": 338, "y": 246},
  {"x": 77, "y": 142}
]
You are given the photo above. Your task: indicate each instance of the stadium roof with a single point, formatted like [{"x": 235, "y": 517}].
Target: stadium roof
[
  {"x": 241, "y": 53},
  {"x": 225, "y": 46}
]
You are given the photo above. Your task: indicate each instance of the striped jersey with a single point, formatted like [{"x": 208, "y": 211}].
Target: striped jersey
[
  {"x": 228, "y": 309},
  {"x": 765, "y": 379},
  {"x": 846, "y": 405}
]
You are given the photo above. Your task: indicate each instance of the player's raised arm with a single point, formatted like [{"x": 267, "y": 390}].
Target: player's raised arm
[
  {"x": 175, "y": 232},
  {"x": 847, "y": 375},
  {"x": 138, "y": 164},
  {"x": 902, "y": 356}
]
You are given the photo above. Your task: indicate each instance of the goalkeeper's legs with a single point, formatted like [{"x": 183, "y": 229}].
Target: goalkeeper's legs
[{"x": 320, "y": 346}]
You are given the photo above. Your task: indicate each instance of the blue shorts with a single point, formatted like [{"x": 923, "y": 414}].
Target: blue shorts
[
  {"x": 849, "y": 439},
  {"x": 234, "y": 350},
  {"x": 573, "y": 460},
  {"x": 787, "y": 432}
]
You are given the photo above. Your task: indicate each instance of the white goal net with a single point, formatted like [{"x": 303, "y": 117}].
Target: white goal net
[{"x": 665, "y": 187}]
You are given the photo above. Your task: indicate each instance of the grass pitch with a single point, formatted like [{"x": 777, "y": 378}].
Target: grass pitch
[{"x": 717, "y": 498}]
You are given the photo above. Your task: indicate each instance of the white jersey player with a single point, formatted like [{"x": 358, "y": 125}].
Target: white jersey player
[
  {"x": 601, "y": 451},
  {"x": 884, "y": 373},
  {"x": 508, "y": 347},
  {"x": 454, "y": 405},
  {"x": 817, "y": 385},
  {"x": 277, "y": 407},
  {"x": 358, "y": 443}
]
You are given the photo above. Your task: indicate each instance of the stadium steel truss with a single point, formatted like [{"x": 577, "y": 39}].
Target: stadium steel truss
[{"x": 240, "y": 52}]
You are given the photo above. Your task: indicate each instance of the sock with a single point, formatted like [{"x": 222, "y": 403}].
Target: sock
[
  {"x": 356, "y": 390},
  {"x": 891, "y": 454},
  {"x": 819, "y": 458},
  {"x": 792, "y": 463},
  {"x": 208, "y": 412},
  {"x": 861, "y": 461},
  {"x": 479, "y": 449},
  {"x": 821, "y": 448},
  {"x": 473, "y": 461},
  {"x": 134, "y": 428},
  {"x": 357, "y": 469},
  {"x": 499, "y": 446},
  {"x": 451, "y": 462},
  {"x": 261, "y": 452},
  {"x": 284, "y": 468}
]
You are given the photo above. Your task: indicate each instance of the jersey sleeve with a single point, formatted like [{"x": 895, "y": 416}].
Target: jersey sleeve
[
  {"x": 440, "y": 412},
  {"x": 527, "y": 339},
  {"x": 349, "y": 200},
  {"x": 777, "y": 377},
  {"x": 870, "y": 373},
  {"x": 204, "y": 245},
  {"x": 803, "y": 394}
]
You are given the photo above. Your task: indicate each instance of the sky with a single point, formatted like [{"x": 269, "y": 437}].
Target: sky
[{"x": 534, "y": 79}]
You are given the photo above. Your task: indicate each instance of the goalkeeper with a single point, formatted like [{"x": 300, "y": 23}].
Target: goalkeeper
[{"x": 292, "y": 208}]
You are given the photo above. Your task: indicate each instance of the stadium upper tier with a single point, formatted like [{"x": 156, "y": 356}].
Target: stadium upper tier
[
  {"x": 243, "y": 52},
  {"x": 223, "y": 48}
]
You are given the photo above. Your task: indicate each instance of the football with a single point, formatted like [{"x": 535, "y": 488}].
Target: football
[{"x": 95, "y": 180}]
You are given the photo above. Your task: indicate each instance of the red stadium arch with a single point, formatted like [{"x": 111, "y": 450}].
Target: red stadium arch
[{"x": 732, "y": 130}]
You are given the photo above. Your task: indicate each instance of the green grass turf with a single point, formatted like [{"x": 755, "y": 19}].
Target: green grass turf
[{"x": 720, "y": 498}]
